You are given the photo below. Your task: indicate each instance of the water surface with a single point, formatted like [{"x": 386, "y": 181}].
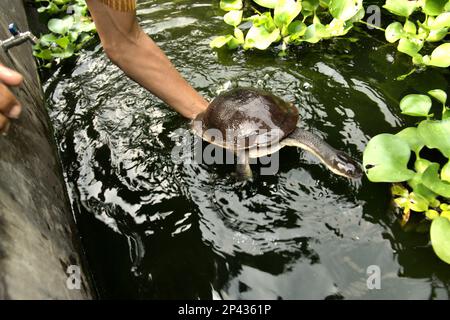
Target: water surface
[{"x": 153, "y": 228}]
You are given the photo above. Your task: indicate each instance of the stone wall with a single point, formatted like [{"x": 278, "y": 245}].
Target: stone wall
[{"x": 38, "y": 237}]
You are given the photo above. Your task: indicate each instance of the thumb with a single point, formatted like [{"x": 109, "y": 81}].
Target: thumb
[{"x": 10, "y": 77}]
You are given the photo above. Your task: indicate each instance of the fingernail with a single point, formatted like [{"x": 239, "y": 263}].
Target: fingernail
[
  {"x": 15, "y": 112},
  {"x": 7, "y": 72},
  {"x": 11, "y": 76}
]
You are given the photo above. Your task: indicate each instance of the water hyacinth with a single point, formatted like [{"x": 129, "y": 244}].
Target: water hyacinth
[
  {"x": 426, "y": 187},
  {"x": 70, "y": 28},
  {"x": 286, "y": 21},
  {"x": 295, "y": 21},
  {"x": 414, "y": 33}
]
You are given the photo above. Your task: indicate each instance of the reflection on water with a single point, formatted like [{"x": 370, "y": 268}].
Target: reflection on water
[{"x": 153, "y": 228}]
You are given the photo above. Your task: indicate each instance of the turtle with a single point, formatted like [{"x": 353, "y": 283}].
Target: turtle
[{"x": 254, "y": 123}]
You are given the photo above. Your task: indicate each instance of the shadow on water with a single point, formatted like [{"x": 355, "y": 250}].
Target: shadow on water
[{"x": 154, "y": 228}]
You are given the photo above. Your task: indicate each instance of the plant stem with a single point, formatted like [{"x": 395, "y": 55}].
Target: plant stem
[
  {"x": 371, "y": 25},
  {"x": 256, "y": 10},
  {"x": 404, "y": 76}
]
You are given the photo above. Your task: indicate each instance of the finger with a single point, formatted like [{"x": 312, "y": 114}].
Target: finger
[
  {"x": 9, "y": 105},
  {"x": 15, "y": 111},
  {"x": 10, "y": 77},
  {"x": 4, "y": 124}
]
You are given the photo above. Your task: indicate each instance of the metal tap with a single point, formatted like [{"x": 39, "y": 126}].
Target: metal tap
[{"x": 17, "y": 37}]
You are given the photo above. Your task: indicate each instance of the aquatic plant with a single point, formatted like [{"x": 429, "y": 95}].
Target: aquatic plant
[
  {"x": 425, "y": 21},
  {"x": 296, "y": 21},
  {"x": 70, "y": 28},
  {"x": 286, "y": 21},
  {"x": 425, "y": 188}
]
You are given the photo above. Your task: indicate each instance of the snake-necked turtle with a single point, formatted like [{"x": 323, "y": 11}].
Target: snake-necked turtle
[{"x": 254, "y": 123}]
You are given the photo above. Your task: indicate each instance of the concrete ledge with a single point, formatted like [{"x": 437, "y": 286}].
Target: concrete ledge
[{"x": 38, "y": 236}]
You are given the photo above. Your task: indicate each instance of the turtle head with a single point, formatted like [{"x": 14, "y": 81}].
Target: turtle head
[{"x": 342, "y": 164}]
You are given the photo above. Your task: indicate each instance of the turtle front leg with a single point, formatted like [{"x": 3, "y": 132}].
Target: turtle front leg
[{"x": 243, "y": 169}]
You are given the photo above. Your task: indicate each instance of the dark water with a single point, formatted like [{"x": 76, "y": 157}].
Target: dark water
[{"x": 153, "y": 228}]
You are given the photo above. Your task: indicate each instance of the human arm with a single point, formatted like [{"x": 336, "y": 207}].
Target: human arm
[{"x": 133, "y": 51}]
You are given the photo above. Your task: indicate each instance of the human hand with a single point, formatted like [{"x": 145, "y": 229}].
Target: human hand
[{"x": 10, "y": 108}]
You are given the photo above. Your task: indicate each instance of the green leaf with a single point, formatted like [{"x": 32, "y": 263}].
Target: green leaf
[
  {"x": 409, "y": 27},
  {"x": 324, "y": 3},
  {"x": 220, "y": 41},
  {"x": 83, "y": 26},
  {"x": 61, "y": 2},
  {"x": 286, "y": 11},
  {"x": 441, "y": 21},
  {"x": 440, "y": 57},
  {"x": 344, "y": 9},
  {"x": 417, "y": 105},
  {"x": 398, "y": 189},
  {"x": 423, "y": 191},
  {"x": 239, "y": 35},
  {"x": 417, "y": 59},
  {"x": 338, "y": 27},
  {"x": 233, "y": 43},
  {"x": 440, "y": 239},
  {"x": 358, "y": 16},
  {"x": 63, "y": 42},
  {"x": 402, "y": 8},
  {"x": 393, "y": 32},
  {"x": 305, "y": 13},
  {"x": 422, "y": 31},
  {"x": 315, "y": 32},
  {"x": 410, "y": 46},
  {"x": 233, "y": 18},
  {"x": 439, "y": 95},
  {"x": 385, "y": 159},
  {"x": 52, "y": 9},
  {"x": 436, "y": 134},
  {"x": 60, "y": 26},
  {"x": 445, "y": 172},
  {"x": 260, "y": 38},
  {"x": 421, "y": 165},
  {"x": 45, "y": 54},
  {"x": 434, "y": 7},
  {"x": 446, "y": 113},
  {"x": 264, "y": 20},
  {"x": 297, "y": 28},
  {"x": 64, "y": 53},
  {"x": 418, "y": 202},
  {"x": 47, "y": 40},
  {"x": 437, "y": 35},
  {"x": 416, "y": 184},
  {"x": 411, "y": 136},
  {"x": 431, "y": 214},
  {"x": 228, "y": 5},
  {"x": 310, "y": 5},
  {"x": 267, "y": 3},
  {"x": 430, "y": 178},
  {"x": 84, "y": 37}
]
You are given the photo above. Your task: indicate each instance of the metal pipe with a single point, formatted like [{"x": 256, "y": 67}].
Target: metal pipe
[{"x": 17, "y": 38}]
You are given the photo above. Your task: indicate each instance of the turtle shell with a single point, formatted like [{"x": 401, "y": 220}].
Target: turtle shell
[{"x": 244, "y": 118}]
